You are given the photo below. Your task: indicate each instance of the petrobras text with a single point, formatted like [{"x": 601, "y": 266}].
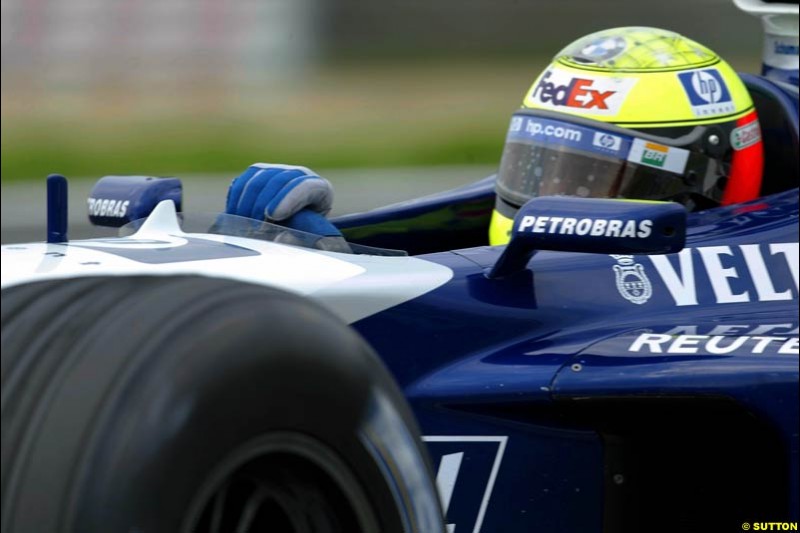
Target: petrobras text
[
  {"x": 103, "y": 207},
  {"x": 595, "y": 227}
]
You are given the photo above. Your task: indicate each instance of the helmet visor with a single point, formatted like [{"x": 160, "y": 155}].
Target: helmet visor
[{"x": 545, "y": 156}]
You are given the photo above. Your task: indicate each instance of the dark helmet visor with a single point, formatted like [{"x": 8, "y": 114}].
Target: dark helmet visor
[{"x": 544, "y": 156}]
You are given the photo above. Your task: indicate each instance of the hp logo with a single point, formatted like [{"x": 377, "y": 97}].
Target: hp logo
[
  {"x": 706, "y": 87},
  {"x": 607, "y": 141},
  {"x": 707, "y": 92}
]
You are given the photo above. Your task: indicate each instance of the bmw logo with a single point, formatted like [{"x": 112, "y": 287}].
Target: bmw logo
[{"x": 602, "y": 49}]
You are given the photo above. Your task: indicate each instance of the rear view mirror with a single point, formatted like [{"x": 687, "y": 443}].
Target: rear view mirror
[
  {"x": 118, "y": 200},
  {"x": 592, "y": 225}
]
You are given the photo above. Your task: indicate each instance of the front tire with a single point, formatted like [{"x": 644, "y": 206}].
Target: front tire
[{"x": 154, "y": 404}]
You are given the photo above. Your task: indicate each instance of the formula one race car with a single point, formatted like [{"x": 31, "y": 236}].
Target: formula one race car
[{"x": 218, "y": 373}]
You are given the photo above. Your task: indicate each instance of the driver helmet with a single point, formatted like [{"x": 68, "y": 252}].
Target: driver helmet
[{"x": 636, "y": 113}]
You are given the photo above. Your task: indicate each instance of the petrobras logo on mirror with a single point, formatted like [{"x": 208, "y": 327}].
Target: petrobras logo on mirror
[
  {"x": 707, "y": 92},
  {"x": 104, "y": 207},
  {"x": 594, "y": 227},
  {"x": 582, "y": 93}
]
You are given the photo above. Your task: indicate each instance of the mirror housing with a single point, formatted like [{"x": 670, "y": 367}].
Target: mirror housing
[
  {"x": 591, "y": 225},
  {"x": 118, "y": 200}
]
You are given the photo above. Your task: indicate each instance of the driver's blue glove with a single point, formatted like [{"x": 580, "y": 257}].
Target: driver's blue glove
[{"x": 286, "y": 194}]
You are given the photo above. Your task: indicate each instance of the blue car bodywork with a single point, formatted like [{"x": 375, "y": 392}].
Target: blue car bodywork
[
  {"x": 571, "y": 391},
  {"x": 607, "y": 393}
]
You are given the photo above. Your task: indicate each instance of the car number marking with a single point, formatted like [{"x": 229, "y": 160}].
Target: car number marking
[{"x": 450, "y": 469}]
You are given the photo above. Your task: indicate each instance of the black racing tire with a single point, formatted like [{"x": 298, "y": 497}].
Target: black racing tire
[{"x": 191, "y": 404}]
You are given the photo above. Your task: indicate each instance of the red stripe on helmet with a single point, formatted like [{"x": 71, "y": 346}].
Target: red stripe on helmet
[{"x": 747, "y": 168}]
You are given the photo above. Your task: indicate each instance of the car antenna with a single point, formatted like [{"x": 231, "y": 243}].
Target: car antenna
[{"x": 56, "y": 208}]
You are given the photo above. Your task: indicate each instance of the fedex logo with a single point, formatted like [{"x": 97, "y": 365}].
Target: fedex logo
[
  {"x": 579, "y": 93},
  {"x": 559, "y": 89}
]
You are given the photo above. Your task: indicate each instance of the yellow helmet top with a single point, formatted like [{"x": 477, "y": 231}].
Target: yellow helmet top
[
  {"x": 635, "y": 78},
  {"x": 640, "y": 77}
]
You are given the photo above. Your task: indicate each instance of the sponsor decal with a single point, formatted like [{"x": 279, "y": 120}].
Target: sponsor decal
[
  {"x": 536, "y": 128},
  {"x": 654, "y": 154},
  {"x": 542, "y": 131},
  {"x": 781, "y": 52},
  {"x": 723, "y": 340},
  {"x": 784, "y": 48},
  {"x": 103, "y": 207},
  {"x": 658, "y": 156},
  {"x": 632, "y": 282},
  {"x": 467, "y": 467},
  {"x": 581, "y": 93},
  {"x": 784, "y": 330},
  {"x": 595, "y": 227},
  {"x": 746, "y": 135},
  {"x": 607, "y": 141},
  {"x": 685, "y": 344},
  {"x": 734, "y": 274},
  {"x": 707, "y": 92}
]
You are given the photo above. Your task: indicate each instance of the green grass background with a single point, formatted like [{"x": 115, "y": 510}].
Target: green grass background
[
  {"x": 352, "y": 116},
  {"x": 346, "y": 116}
]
